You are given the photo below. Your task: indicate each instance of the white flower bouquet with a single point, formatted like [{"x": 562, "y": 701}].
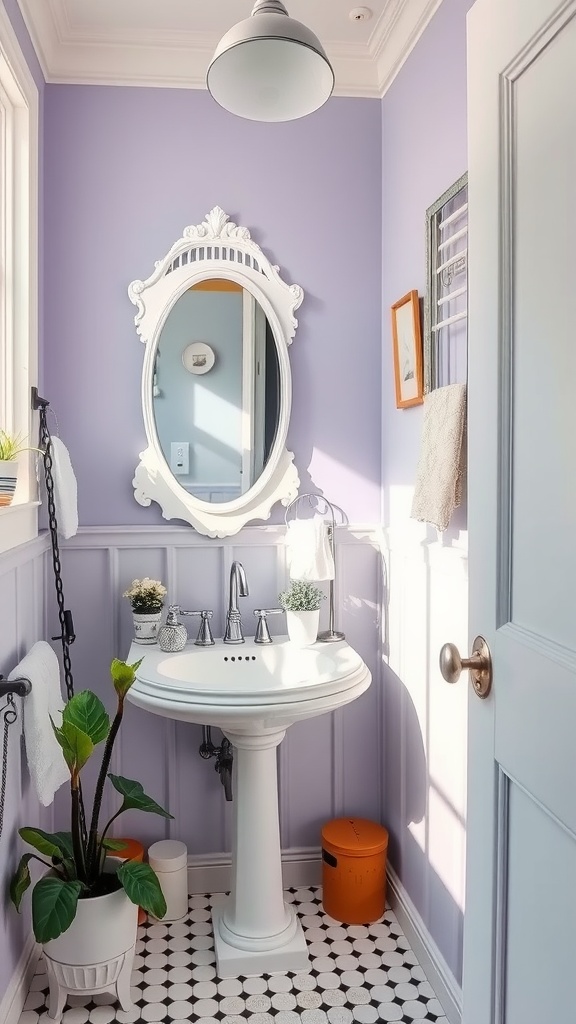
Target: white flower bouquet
[{"x": 146, "y": 596}]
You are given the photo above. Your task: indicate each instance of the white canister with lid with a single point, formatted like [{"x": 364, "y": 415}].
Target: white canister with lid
[{"x": 169, "y": 859}]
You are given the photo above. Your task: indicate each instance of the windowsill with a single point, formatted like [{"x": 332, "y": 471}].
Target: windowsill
[{"x": 18, "y": 524}]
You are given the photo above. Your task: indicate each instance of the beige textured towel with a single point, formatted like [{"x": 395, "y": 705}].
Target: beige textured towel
[{"x": 442, "y": 464}]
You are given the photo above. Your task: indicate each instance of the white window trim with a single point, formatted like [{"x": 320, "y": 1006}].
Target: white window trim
[{"x": 19, "y": 315}]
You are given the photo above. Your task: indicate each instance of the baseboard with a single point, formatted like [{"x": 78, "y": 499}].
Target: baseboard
[
  {"x": 210, "y": 872},
  {"x": 14, "y": 998},
  {"x": 429, "y": 956}
]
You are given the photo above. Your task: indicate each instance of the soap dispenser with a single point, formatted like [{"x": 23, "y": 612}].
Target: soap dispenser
[{"x": 172, "y": 636}]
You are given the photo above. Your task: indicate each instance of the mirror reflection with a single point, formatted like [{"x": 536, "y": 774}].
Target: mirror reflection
[{"x": 216, "y": 390}]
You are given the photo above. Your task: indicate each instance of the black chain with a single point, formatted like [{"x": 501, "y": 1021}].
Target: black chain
[
  {"x": 65, "y": 617},
  {"x": 66, "y": 635},
  {"x": 10, "y": 716}
]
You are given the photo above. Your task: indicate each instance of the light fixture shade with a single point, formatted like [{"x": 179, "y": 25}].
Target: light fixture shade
[{"x": 270, "y": 67}]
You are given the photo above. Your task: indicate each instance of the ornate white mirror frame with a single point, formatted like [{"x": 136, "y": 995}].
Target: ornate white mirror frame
[{"x": 217, "y": 248}]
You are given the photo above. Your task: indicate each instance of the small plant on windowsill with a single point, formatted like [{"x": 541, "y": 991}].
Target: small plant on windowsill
[
  {"x": 301, "y": 602},
  {"x": 11, "y": 446}
]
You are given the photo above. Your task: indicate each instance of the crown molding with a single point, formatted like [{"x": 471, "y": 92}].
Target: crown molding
[
  {"x": 398, "y": 34},
  {"x": 170, "y": 59}
]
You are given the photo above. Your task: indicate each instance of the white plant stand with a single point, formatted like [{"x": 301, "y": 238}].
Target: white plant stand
[
  {"x": 111, "y": 976},
  {"x": 255, "y": 931}
]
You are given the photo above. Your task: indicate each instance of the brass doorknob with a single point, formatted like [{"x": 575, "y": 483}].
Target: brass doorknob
[{"x": 479, "y": 663}]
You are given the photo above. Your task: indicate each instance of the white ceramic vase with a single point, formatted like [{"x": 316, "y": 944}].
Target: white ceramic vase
[
  {"x": 96, "y": 952},
  {"x": 8, "y": 479},
  {"x": 146, "y": 627},
  {"x": 303, "y": 627}
]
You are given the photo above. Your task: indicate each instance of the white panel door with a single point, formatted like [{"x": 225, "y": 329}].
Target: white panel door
[{"x": 520, "y": 920}]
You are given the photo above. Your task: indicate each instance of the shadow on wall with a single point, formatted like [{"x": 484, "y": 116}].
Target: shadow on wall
[
  {"x": 425, "y": 720},
  {"x": 405, "y": 763}
]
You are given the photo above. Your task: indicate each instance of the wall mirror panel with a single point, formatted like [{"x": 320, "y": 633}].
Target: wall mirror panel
[{"x": 216, "y": 319}]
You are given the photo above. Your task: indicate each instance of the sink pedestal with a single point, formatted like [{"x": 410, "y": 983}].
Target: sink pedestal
[
  {"x": 255, "y": 931},
  {"x": 253, "y": 696}
]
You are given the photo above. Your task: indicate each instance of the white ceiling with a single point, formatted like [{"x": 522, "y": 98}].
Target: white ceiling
[{"x": 170, "y": 42}]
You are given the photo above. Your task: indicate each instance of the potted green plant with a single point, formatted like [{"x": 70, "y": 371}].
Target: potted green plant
[
  {"x": 85, "y": 906},
  {"x": 147, "y": 598},
  {"x": 301, "y": 602},
  {"x": 11, "y": 446}
]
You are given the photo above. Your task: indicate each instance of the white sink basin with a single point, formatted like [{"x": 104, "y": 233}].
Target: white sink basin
[
  {"x": 248, "y": 687},
  {"x": 253, "y": 693}
]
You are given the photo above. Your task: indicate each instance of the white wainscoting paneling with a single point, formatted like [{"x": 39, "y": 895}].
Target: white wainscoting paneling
[{"x": 329, "y": 766}]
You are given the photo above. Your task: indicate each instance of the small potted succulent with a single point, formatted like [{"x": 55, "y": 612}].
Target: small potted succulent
[
  {"x": 147, "y": 598},
  {"x": 301, "y": 602},
  {"x": 85, "y": 906},
  {"x": 11, "y": 446}
]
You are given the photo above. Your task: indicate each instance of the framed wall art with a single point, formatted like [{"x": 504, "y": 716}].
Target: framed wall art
[{"x": 407, "y": 351}]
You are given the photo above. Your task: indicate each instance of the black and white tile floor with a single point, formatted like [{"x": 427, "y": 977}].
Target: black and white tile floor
[{"x": 361, "y": 974}]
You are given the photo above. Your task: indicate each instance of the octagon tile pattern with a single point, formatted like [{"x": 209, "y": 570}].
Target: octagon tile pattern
[{"x": 360, "y": 974}]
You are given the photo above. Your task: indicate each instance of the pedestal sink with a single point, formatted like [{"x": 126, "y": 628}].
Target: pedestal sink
[{"x": 253, "y": 694}]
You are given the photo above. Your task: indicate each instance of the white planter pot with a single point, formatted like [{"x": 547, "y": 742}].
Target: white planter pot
[
  {"x": 303, "y": 627},
  {"x": 8, "y": 478},
  {"x": 146, "y": 627},
  {"x": 95, "y": 954}
]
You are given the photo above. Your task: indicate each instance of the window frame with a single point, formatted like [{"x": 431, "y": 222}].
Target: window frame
[{"x": 19, "y": 196}]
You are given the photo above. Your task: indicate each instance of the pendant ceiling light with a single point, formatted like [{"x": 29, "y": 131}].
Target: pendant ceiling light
[{"x": 270, "y": 67}]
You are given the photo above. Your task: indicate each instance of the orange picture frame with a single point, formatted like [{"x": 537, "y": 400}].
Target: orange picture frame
[{"x": 407, "y": 351}]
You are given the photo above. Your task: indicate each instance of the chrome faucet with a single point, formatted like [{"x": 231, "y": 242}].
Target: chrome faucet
[{"x": 238, "y": 588}]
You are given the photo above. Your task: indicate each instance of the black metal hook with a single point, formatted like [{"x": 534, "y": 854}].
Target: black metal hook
[
  {"x": 21, "y": 687},
  {"x": 37, "y": 402},
  {"x": 68, "y": 633}
]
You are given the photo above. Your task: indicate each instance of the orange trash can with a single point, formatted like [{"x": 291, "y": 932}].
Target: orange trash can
[{"x": 354, "y": 870}]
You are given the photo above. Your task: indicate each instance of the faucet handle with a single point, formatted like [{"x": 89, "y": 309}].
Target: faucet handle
[
  {"x": 262, "y": 635},
  {"x": 204, "y": 638}
]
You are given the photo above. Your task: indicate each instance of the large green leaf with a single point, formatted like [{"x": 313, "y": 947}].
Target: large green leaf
[
  {"x": 86, "y": 711},
  {"x": 54, "y": 905},
  {"x": 134, "y": 796},
  {"x": 76, "y": 745},
  {"x": 50, "y": 844},
  {"x": 64, "y": 841},
  {"x": 20, "y": 881},
  {"x": 142, "y": 887},
  {"x": 123, "y": 675}
]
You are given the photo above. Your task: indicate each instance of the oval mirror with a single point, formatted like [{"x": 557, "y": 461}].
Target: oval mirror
[
  {"x": 216, "y": 390},
  {"x": 217, "y": 321}
]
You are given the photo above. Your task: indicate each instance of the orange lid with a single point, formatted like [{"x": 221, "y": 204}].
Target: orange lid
[
  {"x": 354, "y": 836},
  {"x": 131, "y": 850}
]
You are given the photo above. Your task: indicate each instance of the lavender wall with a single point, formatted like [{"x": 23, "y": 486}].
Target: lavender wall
[
  {"x": 126, "y": 170},
  {"x": 424, "y": 151}
]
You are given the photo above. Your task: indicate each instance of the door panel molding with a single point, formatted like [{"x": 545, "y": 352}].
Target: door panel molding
[
  {"x": 501, "y": 898},
  {"x": 542, "y": 645},
  {"x": 505, "y": 356}
]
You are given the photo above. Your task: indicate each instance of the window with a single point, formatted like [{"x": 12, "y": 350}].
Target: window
[{"x": 18, "y": 272}]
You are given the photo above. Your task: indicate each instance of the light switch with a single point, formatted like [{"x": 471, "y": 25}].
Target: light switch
[{"x": 180, "y": 457}]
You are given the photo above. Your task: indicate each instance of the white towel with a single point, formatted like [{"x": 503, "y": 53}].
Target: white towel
[
  {"x": 48, "y": 769},
  {"x": 65, "y": 490},
  {"x": 442, "y": 465},
  {"x": 309, "y": 551}
]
